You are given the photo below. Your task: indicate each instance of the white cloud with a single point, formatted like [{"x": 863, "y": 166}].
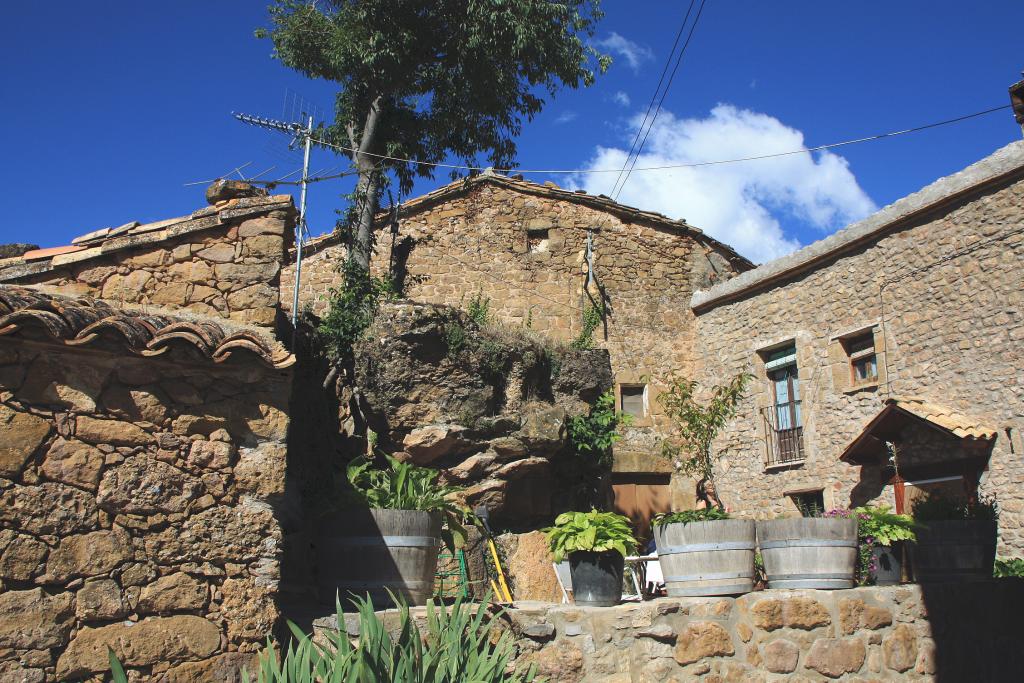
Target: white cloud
[
  {"x": 741, "y": 203},
  {"x": 565, "y": 117},
  {"x": 634, "y": 53},
  {"x": 621, "y": 98}
]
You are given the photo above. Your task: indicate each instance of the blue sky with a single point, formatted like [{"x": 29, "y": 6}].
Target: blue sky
[{"x": 110, "y": 108}]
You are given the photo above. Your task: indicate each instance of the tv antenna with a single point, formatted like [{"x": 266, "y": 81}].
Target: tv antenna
[{"x": 303, "y": 134}]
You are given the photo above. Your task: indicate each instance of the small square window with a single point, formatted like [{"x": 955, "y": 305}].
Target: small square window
[
  {"x": 809, "y": 503},
  {"x": 537, "y": 241},
  {"x": 863, "y": 360},
  {"x": 633, "y": 399}
]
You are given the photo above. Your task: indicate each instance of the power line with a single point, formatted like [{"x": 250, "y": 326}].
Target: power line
[
  {"x": 665, "y": 167},
  {"x": 664, "y": 94},
  {"x": 654, "y": 97}
]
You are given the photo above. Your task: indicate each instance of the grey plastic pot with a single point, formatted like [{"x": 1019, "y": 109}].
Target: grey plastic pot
[
  {"x": 596, "y": 577},
  {"x": 888, "y": 564}
]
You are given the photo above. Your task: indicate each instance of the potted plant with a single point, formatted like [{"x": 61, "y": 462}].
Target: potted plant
[
  {"x": 703, "y": 552},
  {"x": 810, "y": 552},
  {"x": 596, "y": 544},
  {"x": 956, "y": 540},
  {"x": 883, "y": 533},
  {"x": 388, "y": 542}
]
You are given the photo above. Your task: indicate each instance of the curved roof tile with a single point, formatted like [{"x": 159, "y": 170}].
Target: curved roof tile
[{"x": 80, "y": 321}]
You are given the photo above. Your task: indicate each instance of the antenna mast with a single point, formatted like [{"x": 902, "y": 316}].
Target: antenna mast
[{"x": 306, "y": 135}]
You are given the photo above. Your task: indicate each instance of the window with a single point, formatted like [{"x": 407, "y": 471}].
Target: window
[
  {"x": 536, "y": 241},
  {"x": 633, "y": 399},
  {"x": 863, "y": 362},
  {"x": 783, "y": 416},
  {"x": 809, "y": 503}
]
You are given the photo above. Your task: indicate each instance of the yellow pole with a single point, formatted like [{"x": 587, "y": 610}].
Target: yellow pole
[{"x": 501, "y": 575}]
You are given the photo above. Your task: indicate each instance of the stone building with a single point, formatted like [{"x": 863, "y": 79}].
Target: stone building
[
  {"x": 542, "y": 255},
  {"x": 143, "y": 424},
  {"x": 887, "y": 358}
]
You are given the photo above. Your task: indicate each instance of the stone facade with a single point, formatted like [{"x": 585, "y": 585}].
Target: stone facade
[
  {"x": 901, "y": 633},
  {"x": 935, "y": 281},
  {"x": 523, "y": 246},
  {"x": 222, "y": 261},
  {"x": 136, "y": 510}
]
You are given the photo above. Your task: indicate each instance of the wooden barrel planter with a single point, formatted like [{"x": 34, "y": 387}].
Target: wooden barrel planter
[
  {"x": 809, "y": 552},
  {"x": 373, "y": 551},
  {"x": 954, "y": 550},
  {"x": 707, "y": 558}
]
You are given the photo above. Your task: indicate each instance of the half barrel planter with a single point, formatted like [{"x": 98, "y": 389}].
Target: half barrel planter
[
  {"x": 372, "y": 552},
  {"x": 707, "y": 558},
  {"x": 809, "y": 552},
  {"x": 954, "y": 550}
]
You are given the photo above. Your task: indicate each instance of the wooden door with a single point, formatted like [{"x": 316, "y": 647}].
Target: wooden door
[{"x": 640, "y": 496}]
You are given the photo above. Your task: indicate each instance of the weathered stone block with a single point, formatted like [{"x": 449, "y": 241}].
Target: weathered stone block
[
  {"x": 702, "y": 639},
  {"x": 48, "y": 508},
  {"x": 88, "y": 555},
  {"x": 261, "y": 470},
  {"x": 804, "y": 613},
  {"x": 145, "y": 405},
  {"x": 211, "y": 454},
  {"x": 142, "y": 485},
  {"x": 32, "y": 619},
  {"x": 113, "y": 432},
  {"x": 900, "y": 648},
  {"x": 72, "y": 462},
  {"x": 249, "y": 609},
  {"x": 153, "y": 640},
  {"x": 780, "y": 656},
  {"x": 175, "y": 592},
  {"x": 225, "y": 668},
  {"x": 21, "y": 557},
  {"x": 834, "y": 657},
  {"x": 20, "y": 435},
  {"x": 100, "y": 600},
  {"x": 241, "y": 533}
]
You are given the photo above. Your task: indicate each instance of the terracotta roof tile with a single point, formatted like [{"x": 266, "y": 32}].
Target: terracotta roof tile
[
  {"x": 81, "y": 321},
  {"x": 961, "y": 425}
]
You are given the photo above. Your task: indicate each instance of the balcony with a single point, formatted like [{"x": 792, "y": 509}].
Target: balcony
[{"x": 784, "y": 445}]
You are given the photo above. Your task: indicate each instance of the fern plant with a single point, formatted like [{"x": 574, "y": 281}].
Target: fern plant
[
  {"x": 590, "y": 531},
  {"x": 403, "y": 486}
]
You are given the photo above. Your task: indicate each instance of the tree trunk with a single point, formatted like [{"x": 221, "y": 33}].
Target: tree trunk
[{"x": 366, "y": 190}]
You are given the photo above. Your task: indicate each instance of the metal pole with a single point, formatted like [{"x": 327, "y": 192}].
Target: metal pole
[{"x": 308, "y": 133}]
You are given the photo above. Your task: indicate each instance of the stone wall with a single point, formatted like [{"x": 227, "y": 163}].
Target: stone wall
[
  {"x": 138, "y": 509},
  {"x": 968, "y": 632},
  {"x": 223, "y": 261},
  {"x": 487, "y": 240},
  {"x": 942, "y": 293}
]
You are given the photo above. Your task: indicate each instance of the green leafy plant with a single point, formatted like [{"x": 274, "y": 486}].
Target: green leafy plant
[
  {"x": 1009, "y": 568},
  {"x": 878, "y": 526},
  {"x": 593, "y": 316},
  {"x": 479, "y": 309},
  {"x": 584, "y": 469},
  {"x": 457, "y": 647},
  {"x": 454, "y": 337},
  {"x": 936, "y": 508},
  {"x": 697, "y": 426},
  {"x": 596, "y": 432},
  {"x": 351, "y": 309},
  {"x": 403, "y": 486},
  {"x": 686, "y": 516},
  {"x": 590, "y": 531}
]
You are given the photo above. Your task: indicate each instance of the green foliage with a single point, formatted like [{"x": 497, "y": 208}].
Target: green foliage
[
  {"x": 698, "y": 425},
  {"x": 936, "y": 508},
  {"x": 595, "y": 434},
  {"x": 351, "y": 310},
  {"x": 456, "y": 648},
  {"x": 403, "y": 486},
  {"x": 591, "y": 531},
  {"x": 479, "y": 309},
  {"x": 429, "y": 81},
  {"x": 1008, "y": 568},
  {"x": 593, "y": 316},
  {"x": 884, "y": 527},
  {"x": 686, "y": 516},
  {"x": 455, "y": 337},
  {"x": 117, "y": 674}
]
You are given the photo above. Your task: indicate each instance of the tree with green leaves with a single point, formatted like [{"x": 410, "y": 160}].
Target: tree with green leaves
[
  {"x": 697, "y": 425},
  {"x": 431, "y": 79}
]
